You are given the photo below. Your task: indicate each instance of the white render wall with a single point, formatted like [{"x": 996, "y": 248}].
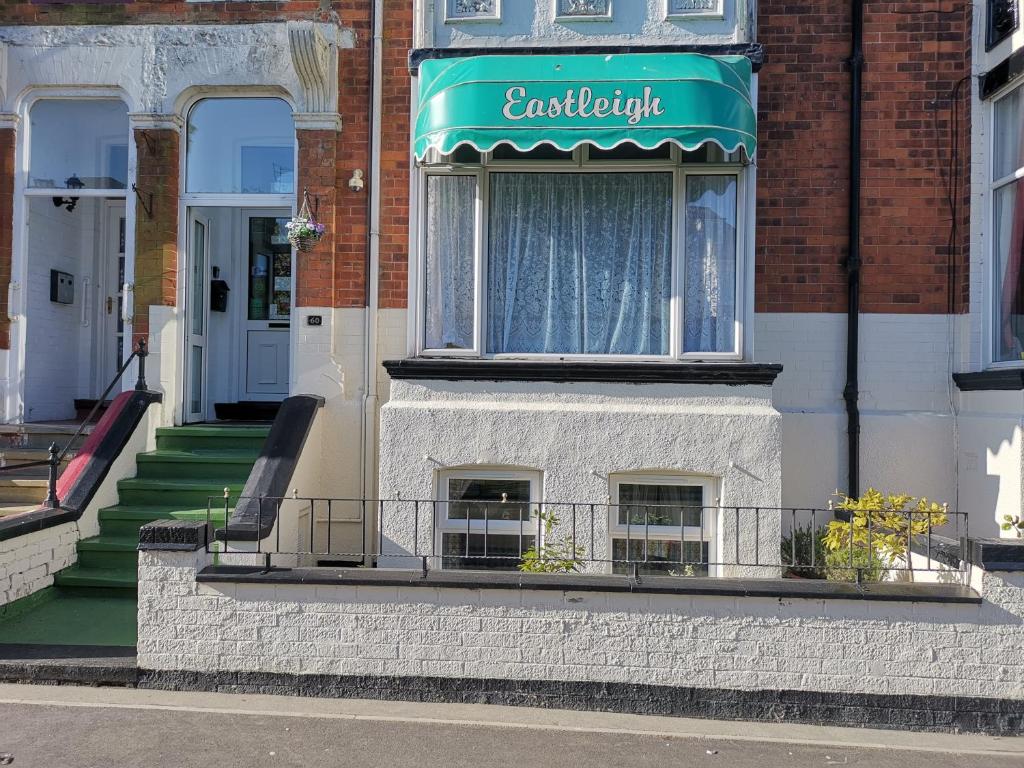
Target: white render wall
[
  {"x": 906, "y": 383},
  {"x": 28, "y": 563},
  {"x": 835, "y": 646},
  {"x": 578, "y": 435}
]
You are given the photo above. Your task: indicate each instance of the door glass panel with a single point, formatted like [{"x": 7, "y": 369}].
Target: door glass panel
[
  {"x": 198, "y": 272},
  {"x": 196, "y": 390},
  {"x": 270, "y": 269},
  {"x": 120, "y": 293}
]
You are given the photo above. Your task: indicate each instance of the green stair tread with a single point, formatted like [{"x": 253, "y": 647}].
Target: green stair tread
[
  {"x": 103, "y": 543},
  {"x": 212, "y": 431},
  {"x": 169, "y": 484},
  {"x": 78, "y": 576},
  {"x": 64, "y": 618},
  {"x": 159, "y": 512},
  {"x": 200, "y": 456}
]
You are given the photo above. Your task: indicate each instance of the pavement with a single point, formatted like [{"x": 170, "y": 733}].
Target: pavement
[{"x": 82, "y": 727}]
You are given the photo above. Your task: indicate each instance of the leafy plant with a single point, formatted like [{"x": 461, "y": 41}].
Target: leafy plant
[
  {"x": 553, "y": 554},
  {"x": 809, "y": 545},
  {"x": 875, "y": 537},
  {"x": 1014, "y": 523}
]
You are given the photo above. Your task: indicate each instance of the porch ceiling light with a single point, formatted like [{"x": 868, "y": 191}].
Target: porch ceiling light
[{"x": 69, "y": 203}]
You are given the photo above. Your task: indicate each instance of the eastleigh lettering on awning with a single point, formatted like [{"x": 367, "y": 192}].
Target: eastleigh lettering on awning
[{"x": 648, "y": 99}]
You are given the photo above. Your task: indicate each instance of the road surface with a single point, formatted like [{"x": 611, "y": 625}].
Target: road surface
[{"x": 58, "y": 727}]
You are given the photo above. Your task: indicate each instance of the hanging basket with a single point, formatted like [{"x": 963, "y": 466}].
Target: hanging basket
[{"x": 304, "y": 231}]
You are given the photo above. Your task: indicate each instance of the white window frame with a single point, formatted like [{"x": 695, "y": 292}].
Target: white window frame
[
  {"x": 993, "y": 307},
  {"x": 443, "y": 525},
  {"x": 580, "y": 162},
  {"x": 706, "y": 532}
]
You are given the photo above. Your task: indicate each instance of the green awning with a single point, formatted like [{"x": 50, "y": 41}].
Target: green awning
[{"x": 648, "y": 99}]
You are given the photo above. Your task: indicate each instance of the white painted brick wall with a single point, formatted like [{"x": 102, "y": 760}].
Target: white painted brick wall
[
  {"x": 27, "y": 563},
  {"x": 737, "y": 643}
]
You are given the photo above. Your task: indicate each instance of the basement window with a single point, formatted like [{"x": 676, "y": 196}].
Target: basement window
[
  {"x": 486, "y": 519},
  {"x": 661, "y": 524}
]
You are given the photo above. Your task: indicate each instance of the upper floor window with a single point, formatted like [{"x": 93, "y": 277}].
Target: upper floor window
[
  {"x": 626, "y": 252},
  {"x": 78, "y": 144},
  {"x": 1002, "y": 21},
  {"x": 241, "y": 146},
  {"x": 1008, "y": 227}
]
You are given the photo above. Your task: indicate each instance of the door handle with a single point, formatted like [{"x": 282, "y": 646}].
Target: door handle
[{"x": 110, "y": 304}]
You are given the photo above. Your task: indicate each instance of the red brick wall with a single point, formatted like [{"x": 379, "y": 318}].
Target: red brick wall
[
  {"x": 7, "y": 143},
  {"x": 394, "y": 236},
  {"x": 154, "y": 11},
  {"x": 156, "y": 235},
  {"x": 318, "y": 156},
  {"x": 915, "y": 54}
]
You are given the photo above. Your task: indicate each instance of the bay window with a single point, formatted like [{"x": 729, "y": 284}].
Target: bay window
[
  {"x": 1008, "y": 228},
  {"x": 626, "y": 252}
]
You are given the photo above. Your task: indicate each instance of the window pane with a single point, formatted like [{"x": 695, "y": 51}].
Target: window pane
[
  {"x": 241, "y": 146},
  {"x": 1007, "y": 136},
  {"x": 642, "y": 503},
  {"x": 1008, "y": 226},
  {"x": 501, "y": 552},
  {"x": 664, "y": 558},
  {"x": 86, "y": 139},
  {"x": 498, "y": 499},
  {"x": 1002, "y": 20},
  {"x": 580, "y": 263},
  {"x": 709, "y": 324},
  {"x": 630, "y": 151},
  {"x": 540, "y": 152},
  {"x": 198, "y": 278},
  {"x": 451, "y": 235}
]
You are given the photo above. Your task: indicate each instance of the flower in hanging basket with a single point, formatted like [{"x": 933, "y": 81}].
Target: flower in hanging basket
[{"x": 304, "y": 232}]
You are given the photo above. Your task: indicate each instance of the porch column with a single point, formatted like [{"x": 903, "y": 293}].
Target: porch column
[
  {"x": 157, "y": 144},
  {"x": 8, "y": 142},
  {"x": 317, "y": 137}
]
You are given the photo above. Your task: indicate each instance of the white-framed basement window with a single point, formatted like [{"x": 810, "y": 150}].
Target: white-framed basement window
[
  {"x": 661, "y": 524},
  {"x": 485, "y": 518},
  {"x": 625, "y": 254},
  {"x": 1007, "y": 195}
]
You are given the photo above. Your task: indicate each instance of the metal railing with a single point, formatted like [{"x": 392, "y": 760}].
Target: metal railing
[
  {"x": 57, "y": 455},
  {"x": 565, "y": 537}
]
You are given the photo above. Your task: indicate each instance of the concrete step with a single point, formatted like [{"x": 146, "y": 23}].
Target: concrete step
[
  {"x": 9, "y": 509},
  {"x": 22, "y": 491}
]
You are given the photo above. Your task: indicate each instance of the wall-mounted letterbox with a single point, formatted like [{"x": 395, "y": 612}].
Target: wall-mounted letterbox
[{"x": 62, "y": 287}]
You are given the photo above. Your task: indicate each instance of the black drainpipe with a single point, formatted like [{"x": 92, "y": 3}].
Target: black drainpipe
[{"x": 851, "y": 391}]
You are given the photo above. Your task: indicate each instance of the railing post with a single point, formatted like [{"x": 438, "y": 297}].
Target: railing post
[
  {"x": 142, "y": 353},
  {"x": 52, "y": 502}
]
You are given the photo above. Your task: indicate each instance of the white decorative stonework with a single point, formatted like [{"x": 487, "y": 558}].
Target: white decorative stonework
[
  {"x": 583, "y": 10},
  {"x": 315, "y": 60},
  {"x": 688, "y": 9},
  {"x": 473, "y": 10}
]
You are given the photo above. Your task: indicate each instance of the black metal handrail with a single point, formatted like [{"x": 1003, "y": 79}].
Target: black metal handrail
[{"x": 56, "y": 455}]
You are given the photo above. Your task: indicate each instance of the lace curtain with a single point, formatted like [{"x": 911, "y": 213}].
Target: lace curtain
[
  {"x": 710, "y": 272},
  {"x": 580, "y": 263},
  {"x": 451, "y": 202}
]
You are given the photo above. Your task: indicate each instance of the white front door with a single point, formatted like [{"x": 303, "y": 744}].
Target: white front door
[
  {"x": 197, "y": 319},
  {"x": 268, "y": 308}
]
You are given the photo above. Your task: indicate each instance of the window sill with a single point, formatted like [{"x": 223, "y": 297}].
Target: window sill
[
  {"x": 993, "y": 379},
  {"x": 452, "y": 369}
]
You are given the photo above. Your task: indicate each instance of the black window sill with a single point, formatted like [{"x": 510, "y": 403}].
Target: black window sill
[
  {"x": 666, "y": 585},
  {"x": 996, "y": 379},
  {"x": 730, "y": 374}
]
